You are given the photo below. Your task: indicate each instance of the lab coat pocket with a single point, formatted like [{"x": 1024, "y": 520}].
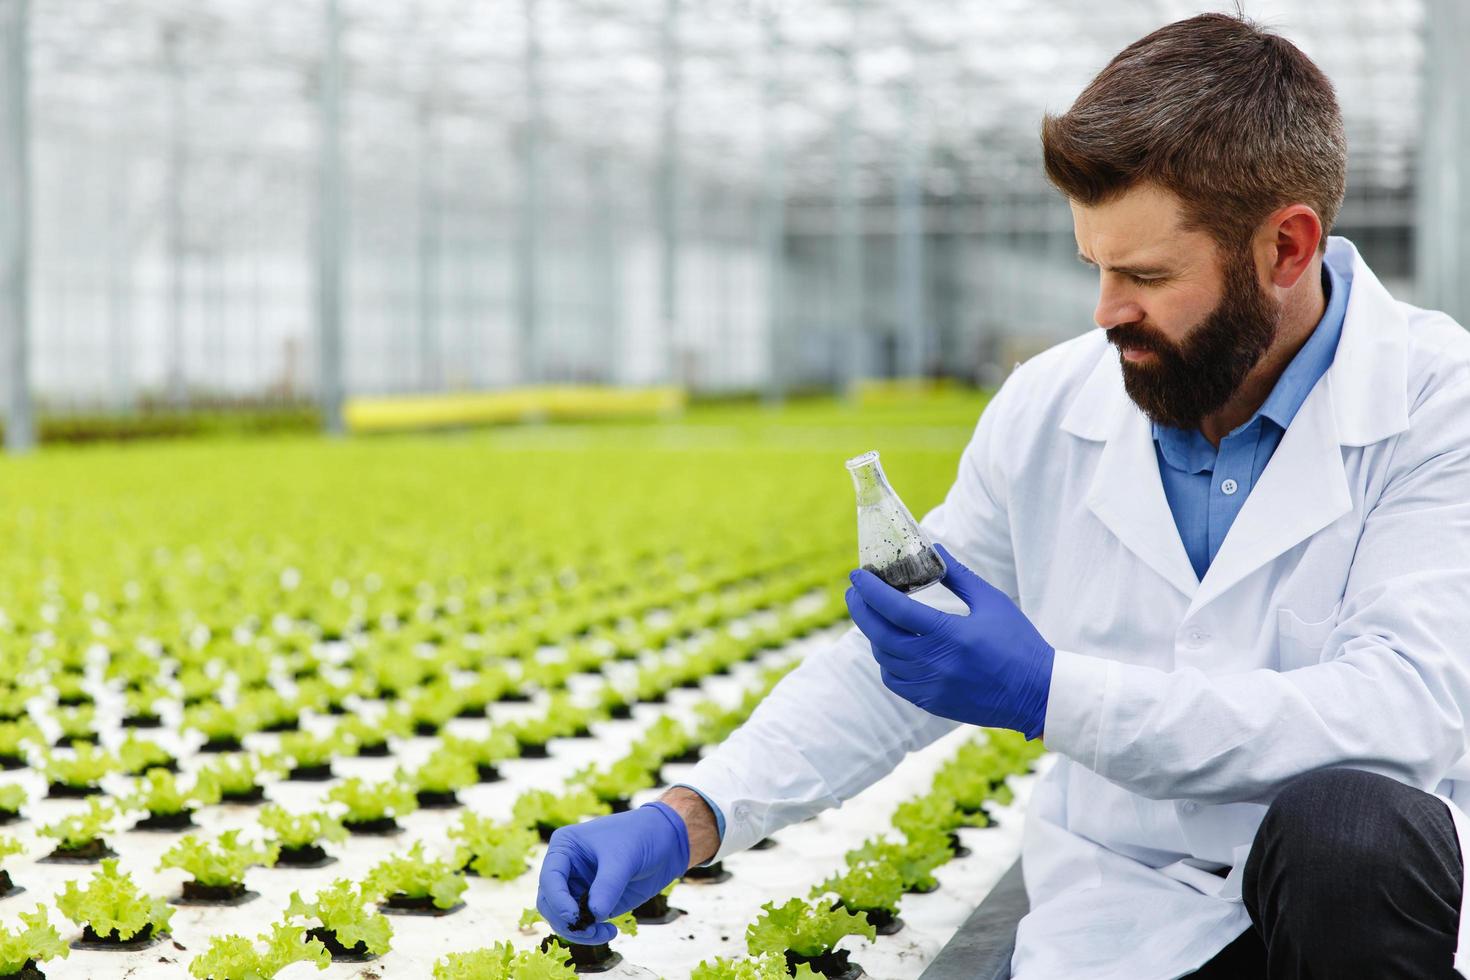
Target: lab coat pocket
[{"x": 1301, "y": 641}]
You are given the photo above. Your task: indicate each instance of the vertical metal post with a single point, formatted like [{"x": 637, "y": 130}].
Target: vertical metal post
[
  {"x": 178, "y": 390},
  {"x": 528, "y": 297},
  {"x": 912, "y": 315},
  {"x": 1442, "y": 231},
  {"x": 15, "y": 221},
  {"x": 849, "y": 219},
  {"x": 671, "y": 369},
  {"x": 330, "y": 232},
  {"x": 607, "y": 296},
  {"x": 773, "y": 209},
  {"x": 120, "y": 279},
  {"x": 430, "y": 351}
]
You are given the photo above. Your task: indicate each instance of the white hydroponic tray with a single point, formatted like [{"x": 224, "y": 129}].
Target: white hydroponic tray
[{"x": 805, "y": 854}]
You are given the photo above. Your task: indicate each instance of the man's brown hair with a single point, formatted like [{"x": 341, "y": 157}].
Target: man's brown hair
[{"x": 1231, "y": 118}]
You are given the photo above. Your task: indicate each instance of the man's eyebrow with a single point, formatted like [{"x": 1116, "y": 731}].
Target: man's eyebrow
[{"x": 1128, "y": 270}]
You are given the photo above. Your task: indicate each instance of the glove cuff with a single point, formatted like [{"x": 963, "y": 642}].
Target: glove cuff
[{"x": 680, "y": 829}]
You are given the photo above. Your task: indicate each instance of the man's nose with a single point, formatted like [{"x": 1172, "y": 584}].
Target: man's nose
[{"x": 1115, "y": 307}]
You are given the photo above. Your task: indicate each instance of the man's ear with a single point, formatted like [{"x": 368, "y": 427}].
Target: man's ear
[{"x": 1290, "y": 240}]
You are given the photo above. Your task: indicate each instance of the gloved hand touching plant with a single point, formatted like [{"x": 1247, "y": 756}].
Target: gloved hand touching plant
[
  {"x": 607, "y": 866},
  {"x": 989, "y": 668}
]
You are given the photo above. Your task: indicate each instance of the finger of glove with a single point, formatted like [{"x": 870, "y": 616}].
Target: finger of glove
[
  {"x": 879, "y": 631},
  {"x": 903, "y": 612},
  {"x": 554, "y": 898},
  {"x": 963, "y": 582},
  {"x": 614, "y": 873},
  {"x": 897, "y": 667}
]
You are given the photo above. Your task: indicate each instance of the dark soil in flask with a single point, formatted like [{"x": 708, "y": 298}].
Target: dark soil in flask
[{"x": 911, "y": 572}]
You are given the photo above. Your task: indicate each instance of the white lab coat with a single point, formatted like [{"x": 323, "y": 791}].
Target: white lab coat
[{"x": 1331, "y": 629}]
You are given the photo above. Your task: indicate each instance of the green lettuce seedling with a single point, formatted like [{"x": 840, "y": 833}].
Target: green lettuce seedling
[
  {"x": 17, "y": 736},
  {"x": 768, "y": 967},
  {"x": 36, "y": 942},
  {"x": 618, "y": 781},
  {"x": 865, "y": 886},
  {"x": 13, "y": 796},
  {"x": 804, "y": 929},
  {"x": 492, "y": 850},
  {"x": 218, "y": 863},
  {"x": 411, "y": 875},
  {"x": 503, "y": 962},
  {"x": 444, "y": 771},
  {"x": 914, "y": 859},
  {"x": 85, "y": 767},
  {"x": 546, "y": 810},
  {"x": 298, "y": 830},
  {"x": 366, "y": 802},
  {"x": 75, "y": 831},
  {"x": 160, "y": 794},
  {"x": 341, "y": 908},
  {"x": 238, "y": 773},
  {"x": 137, "y": 755},
  {"x": 303, "y": 750},
  {"x": 112, "y": 906},
  {"x": 626, "y": 924},
  {"x": 234, "y": 957}
]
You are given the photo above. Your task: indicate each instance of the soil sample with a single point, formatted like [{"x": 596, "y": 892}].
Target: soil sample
[
  {"x": 586, "y": 959},
  {"x": 711, "y": 874},
  {"x": 319, "y": 773},
  {"x": 255, "y": 794},
  {"x": 232, "y": 894},
  {"x": 832, "y": 964},
  {"x": 908, "y": 573},
  {"x": 89, "y": 853},
  {"x": 356, "y": 953},
  {"x": 431, "y": 799},
  {"x": 166, "y": 821},
  {"x": 141, "y": 939},
  {"x": 401, "y": 904},
  {"x": 307, "y": 856},
  {"x": 229, "y": 743},
  {"x": 885, "y": 921},
  {"x": 656, "y": 911}
]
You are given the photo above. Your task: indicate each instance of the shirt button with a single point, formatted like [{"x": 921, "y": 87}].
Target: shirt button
[
  {"x": 1196, "y": 637},
  {"x": 1229, "y": 487}
]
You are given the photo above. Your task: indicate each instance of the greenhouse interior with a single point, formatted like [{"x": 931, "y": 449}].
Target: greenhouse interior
[{"x": 424, "y": 494}]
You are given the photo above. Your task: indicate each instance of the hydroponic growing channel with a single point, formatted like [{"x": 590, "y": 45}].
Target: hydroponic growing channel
[{"x": 313, "y": 710}]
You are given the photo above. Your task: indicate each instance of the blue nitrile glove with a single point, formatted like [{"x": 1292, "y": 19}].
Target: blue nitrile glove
[
  {"x": 618, "y": 862},
  {"x": 989, "y": 668}
]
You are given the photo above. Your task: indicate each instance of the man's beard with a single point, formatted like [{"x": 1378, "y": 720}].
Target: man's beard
[{"x": 1181, "y": 384}]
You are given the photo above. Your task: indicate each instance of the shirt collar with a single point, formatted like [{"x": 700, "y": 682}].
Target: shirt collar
[{"x": 1190, "y": 451}]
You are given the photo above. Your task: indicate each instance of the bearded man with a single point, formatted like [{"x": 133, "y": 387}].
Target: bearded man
[{"x": 1216, "y": 553}]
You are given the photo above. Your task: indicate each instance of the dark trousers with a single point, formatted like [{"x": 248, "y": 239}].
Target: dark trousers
[{"x": 1351, "y": 875}]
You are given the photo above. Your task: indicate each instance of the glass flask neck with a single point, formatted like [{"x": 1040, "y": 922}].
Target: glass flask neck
[{"x": 868, "y": 479}]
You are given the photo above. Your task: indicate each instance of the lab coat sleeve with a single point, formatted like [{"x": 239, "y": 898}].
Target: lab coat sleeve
[
  {"x": 830, "y": 728},
  {"x": 1390, "y": 696}
]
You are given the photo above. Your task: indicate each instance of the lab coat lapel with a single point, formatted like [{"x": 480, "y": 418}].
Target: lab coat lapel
[
  {"x": 1361, "y": 399},
  {"x": 1302, "y": 490},
  {"x": 1126, "y": 492}
]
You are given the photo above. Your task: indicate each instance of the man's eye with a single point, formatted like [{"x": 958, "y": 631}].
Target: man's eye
[{"x": 1140, "y": 280}]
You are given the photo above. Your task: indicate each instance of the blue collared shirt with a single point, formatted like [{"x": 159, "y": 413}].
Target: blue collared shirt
[{"x": 1205, "y": 486}]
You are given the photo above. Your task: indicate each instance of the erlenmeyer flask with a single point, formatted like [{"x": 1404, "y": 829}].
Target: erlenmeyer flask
[{"x": 891, "y": 544}]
